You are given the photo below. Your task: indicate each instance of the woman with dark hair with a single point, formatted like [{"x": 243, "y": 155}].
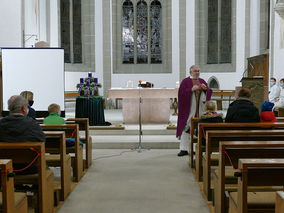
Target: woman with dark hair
[{"x": 242, "y": 110}]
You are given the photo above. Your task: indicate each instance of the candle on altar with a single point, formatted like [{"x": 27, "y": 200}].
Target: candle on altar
[
  {"x": 96, "y": 80},
  {"x": 81, "y": 80},
  {"x": 88, "y": 83},
  {"x": 89, "y": 75}
]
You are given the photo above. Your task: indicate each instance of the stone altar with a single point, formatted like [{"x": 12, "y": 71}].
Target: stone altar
[{"x": 155, "y": 107}]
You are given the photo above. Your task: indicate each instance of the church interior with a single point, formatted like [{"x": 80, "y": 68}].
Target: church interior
[{"x": 126, "y": 94}]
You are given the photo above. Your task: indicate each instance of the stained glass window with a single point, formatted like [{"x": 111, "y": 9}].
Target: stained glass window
[
  {"x": 70, "y": 12},
  {"x": 219, "y": 43},
  {"x": 65, "y": 29},
  {"x": 142, "y": 32},
  {"x": 156, "y": 32},
  {"x": 128, "y": 32}
]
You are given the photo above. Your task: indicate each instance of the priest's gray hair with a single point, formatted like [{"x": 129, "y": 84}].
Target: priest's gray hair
[
  {"x": 16, "y": 102},
  {"x": 193, "y": 67}
]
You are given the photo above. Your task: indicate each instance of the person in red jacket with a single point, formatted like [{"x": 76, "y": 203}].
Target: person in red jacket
[{"x": 266, "y": 114}]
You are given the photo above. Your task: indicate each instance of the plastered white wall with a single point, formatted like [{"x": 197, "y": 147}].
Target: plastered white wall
[{"x": 11, "y": 24}]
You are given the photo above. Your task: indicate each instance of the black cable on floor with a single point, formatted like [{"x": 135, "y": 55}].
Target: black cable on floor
[{"x": 117, "y": 155}]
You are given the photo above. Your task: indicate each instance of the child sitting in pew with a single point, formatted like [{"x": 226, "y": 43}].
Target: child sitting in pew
[
  {"x": 266, "y": 114},
  {"x": 54, "y": 115},
  {"x": 54, "y": 118},
  {"x": 210, "y": 116}
]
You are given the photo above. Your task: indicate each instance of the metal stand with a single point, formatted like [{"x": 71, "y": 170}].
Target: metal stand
[{"x": 139, "y": 148}]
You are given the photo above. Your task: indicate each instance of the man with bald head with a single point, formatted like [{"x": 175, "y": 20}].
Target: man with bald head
[
  {"x": 192, "y": 95},
  {"x": 17, "y": 127}
]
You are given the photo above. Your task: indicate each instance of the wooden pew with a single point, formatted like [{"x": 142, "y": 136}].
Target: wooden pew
[
  {"x": 237, "y": 150},
  {"x": 214, "y": 137},
  {"x": 256, "y": 172},
  {"x": 77, "y": 149},
  {"x": 203, "y": 127},
  {"x": 193, "y": 139},
  {"x": 22, "y": 152},
  {"x": 11, "y": 202},
  {"x": 279, "y": 204},
  {"x": 56, "y": 139},
  {"x": 84, "y": 126}
]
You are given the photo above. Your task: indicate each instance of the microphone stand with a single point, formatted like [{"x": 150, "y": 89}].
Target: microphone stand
[{"x": 139, "y": 148}]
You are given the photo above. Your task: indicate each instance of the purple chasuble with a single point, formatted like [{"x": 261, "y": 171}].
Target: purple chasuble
[{"x": 184, "y": 102}]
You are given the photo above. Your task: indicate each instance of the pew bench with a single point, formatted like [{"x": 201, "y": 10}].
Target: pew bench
[
  {"x": 56, "y": 140},
  {"x": 86, "y": 139},
  {"x": 256, "y": 172},
  {"x": 71, "y": 130},
  {"x": 213, "y": 139},
  {"x": 279, "y": 204},
  {"x": 204, "y": 127},
  {"x": 224, "y": 179},
  {"x": 11, "y": 202},
  {"x": 23, "y": 152}
]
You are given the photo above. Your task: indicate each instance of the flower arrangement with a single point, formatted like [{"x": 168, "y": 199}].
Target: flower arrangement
[{"x": 88, "y": 86}]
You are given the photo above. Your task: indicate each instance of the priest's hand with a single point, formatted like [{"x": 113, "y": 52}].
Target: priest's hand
[
  {"x": 195, "y": 87},
  {"x": 203, "y": 87}
]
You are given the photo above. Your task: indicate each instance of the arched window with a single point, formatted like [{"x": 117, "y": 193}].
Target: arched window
[
  {"x": 128, "y": 32},
  {"x": 142, "y": 32},
  {"x": 156, "y": 32},
  {"x": 219, "y": 49},
  {"x": 213, "y": 83}
]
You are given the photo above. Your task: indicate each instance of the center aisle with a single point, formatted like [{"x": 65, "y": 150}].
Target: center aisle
[{"x": 152, "y": 181}]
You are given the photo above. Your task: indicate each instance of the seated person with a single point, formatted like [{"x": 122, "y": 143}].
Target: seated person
[
  {"x": 210, "y": 116},
  {"x": 17, "y": 127},
  {"x": 54, "y": 118},
  {"x": 274, "y": 91},
  {"x": 30, "y": 98},
  {"x": 242, "y": 110},
  {"x": 266, "y": 114},
  {"x": 54, "y": 115},
  {"x": 279, "y": 102}
]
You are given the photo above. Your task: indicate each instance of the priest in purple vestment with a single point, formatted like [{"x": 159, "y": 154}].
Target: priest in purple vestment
[{"x": 192, "y": 95}]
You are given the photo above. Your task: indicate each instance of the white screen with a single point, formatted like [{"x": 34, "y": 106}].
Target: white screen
[{"x": 38, "y": 70}]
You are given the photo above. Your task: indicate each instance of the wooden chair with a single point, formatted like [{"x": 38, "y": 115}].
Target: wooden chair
[
  {"x": 71, "y": 130},
  {"x": 213, "y": 139},
  {"x": 23, "y": 152},
  {"x": 257, "y": 172},
  {"x": 11, "y": 202},
  {"x": 84, "y": 126},
  {"x": 56, "y": 140},
  {"x": 203, "y": 127},
  {"x": 237, "y": 150},
  {"x": 223, "y": 95}
]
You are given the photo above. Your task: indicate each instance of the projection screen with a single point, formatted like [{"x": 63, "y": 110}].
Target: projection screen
[{"x": 40, "y": 70}]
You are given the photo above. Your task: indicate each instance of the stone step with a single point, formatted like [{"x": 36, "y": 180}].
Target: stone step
[{"x": 131, "y": 141}]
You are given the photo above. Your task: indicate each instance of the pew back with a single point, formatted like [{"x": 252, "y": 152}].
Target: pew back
[
  {"x": 237, "y": 150},
  {"x": 22, "y": 153},
  {"x": 204, "y": 127}
]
